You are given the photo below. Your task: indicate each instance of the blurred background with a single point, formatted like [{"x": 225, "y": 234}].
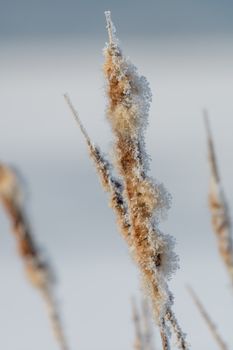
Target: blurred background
[{"x": 48, "y": 47}]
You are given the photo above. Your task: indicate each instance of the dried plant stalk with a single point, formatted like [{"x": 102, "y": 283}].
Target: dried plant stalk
[
  {"x": 142, "y": 323},
  {"x": 129, "y": 98},
  {"x": 221, "y": 344},
  {"x": 111, "y": 184},
  {"x": 137, "y": 200},
  {"x": 139, "y": 341},
  {"x": 221, "y": 221},
  {"x": 37, "y": 269}
]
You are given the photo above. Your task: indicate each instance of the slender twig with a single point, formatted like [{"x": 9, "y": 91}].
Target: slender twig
[
  {"x": 77, "y": 119},
  {"x": 221, "y": 344}
]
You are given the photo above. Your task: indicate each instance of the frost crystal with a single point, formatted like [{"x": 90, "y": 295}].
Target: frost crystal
[
  {"x": 129, "y": 98},
  {"x": 137, "y": 199}
]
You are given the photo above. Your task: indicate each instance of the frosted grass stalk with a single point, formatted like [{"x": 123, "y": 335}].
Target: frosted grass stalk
[
  {"x": 37, "y": 268},
  {"x": 129, "y": 100},
  {"x": 221, "y": 221}
]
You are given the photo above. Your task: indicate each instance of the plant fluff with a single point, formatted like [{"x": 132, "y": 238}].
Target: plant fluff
[{"x": 137, "y": 199}]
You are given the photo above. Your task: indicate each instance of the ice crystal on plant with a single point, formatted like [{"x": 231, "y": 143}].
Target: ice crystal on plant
[
  {"x": 137, "y": 199},
  {"x": 129, "y": 98}
]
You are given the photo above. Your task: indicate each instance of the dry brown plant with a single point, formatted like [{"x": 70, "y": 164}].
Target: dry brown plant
[
  {"x": 221, "y": 221},
  {"x": 137, "y": 199},
  {"x": 213, "y": 329},
  {"x": 111, "y": 184},
  {"x": 37, "y": 268}
]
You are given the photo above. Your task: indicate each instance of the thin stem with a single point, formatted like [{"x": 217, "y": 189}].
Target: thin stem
[
  {"x": 109, "y": 26},
  {"x": 221, "y": 221},
  {"x": 138, "y": 343},
  {"x": 221, "y": 344},
  {"x": 211, "y": 150},
  {"x": 76, "y": 117},
  {"x": 52, "y": 311},
  {"x": 146, "y": 316}
]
